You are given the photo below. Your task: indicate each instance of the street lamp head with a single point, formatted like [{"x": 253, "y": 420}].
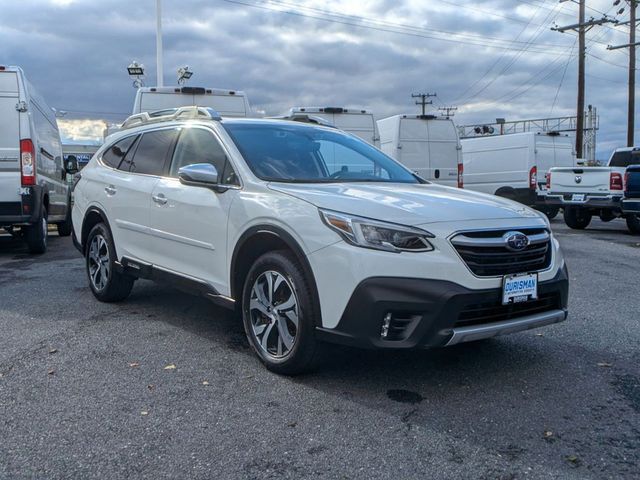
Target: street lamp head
[
  {"x": 184, "y": 74},
  {"x": 135, "y": 69}
]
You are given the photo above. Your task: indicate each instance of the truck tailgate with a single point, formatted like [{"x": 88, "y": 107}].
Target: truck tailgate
[{"x": 594, "y": 180}]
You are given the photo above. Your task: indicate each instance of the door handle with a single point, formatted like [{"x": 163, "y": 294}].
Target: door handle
[
  {"x": 111, "y": 190},
  {"x": 160, "y": 199}
]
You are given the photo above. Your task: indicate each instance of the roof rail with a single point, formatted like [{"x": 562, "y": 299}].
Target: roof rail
[
  {"x": 180, "y": 113},
  {"x": 305, "y": 118}
]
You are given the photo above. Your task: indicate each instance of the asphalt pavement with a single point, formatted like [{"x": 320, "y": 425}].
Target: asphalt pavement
[{"x": 164, "y": 385}]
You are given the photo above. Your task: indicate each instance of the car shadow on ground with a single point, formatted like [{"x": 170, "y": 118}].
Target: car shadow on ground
[{"x": 469, "y": 365}]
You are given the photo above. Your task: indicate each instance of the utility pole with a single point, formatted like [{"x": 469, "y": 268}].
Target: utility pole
[
  {"x": 423, "y": 100},
  {"x": 631, "y": 112},
  {"x": 159, "y": 69},
  {"x": 632, "y": 70},
  {"x": 581, "y": 27},
  {"x": 581, "y": 59},
  {"x": 448, "y": 111}
]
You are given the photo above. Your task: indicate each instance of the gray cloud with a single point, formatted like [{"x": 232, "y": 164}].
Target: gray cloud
[{"x": 76, "y": 55}]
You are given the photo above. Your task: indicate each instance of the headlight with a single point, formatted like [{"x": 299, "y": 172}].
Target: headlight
[{"x": 367, "y": 233}]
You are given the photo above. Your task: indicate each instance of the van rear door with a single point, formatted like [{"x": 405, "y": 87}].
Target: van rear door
[
  {"x": 361, "y": 125},
  {"x": 552, "y": 151},
  {"x": 225, "y": 105},
  {"x": 413, "y": 145},
  {"x": 444, "y": 153},
  {"x": 9, "y": 143}
]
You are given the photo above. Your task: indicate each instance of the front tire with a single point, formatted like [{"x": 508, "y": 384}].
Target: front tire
[
  {"x": 552, "y": 212},
  {"x": 279, "y": 315},
  {"x": 577, "y": 218},
  {"x": 36, "y": 234},
  {"x": 106, "y": 283},
  {"x": 633, "y": 223}
]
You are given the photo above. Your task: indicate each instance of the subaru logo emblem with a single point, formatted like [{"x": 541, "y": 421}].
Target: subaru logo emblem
[
  {"x": 516, "y": 241},
  {"x": 578, "y": 179}
]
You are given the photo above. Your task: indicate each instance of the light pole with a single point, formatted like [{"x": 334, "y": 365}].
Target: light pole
[{"x": 159, "y": 72}]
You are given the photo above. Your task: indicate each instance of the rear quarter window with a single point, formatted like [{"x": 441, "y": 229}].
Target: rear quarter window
[
  {"x": 151, "y": 153},
  {"x": 114, "y": 154}
]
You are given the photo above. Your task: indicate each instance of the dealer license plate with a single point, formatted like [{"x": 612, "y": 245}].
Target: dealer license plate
[{"x": 519, "y": 288}]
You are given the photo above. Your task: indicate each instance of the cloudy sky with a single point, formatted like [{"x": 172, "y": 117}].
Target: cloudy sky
[{"x": 490, "y": 58}]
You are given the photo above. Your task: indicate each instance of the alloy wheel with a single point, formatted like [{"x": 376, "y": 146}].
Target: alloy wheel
[
  {"x": 274, "y": 314},
  {"x": 99, "y": 268}
]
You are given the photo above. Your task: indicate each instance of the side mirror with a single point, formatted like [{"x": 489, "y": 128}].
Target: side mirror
[
  {"x": 71, "y": 164},
  {"x": 199, "y": 175}
]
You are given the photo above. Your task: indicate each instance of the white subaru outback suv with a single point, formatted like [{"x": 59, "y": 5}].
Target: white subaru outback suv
[{"x": 312, "y": 235}]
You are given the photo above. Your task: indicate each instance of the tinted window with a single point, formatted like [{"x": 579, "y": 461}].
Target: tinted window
[
  {"x": 197, "y": 145},
  {"x": 302, "y": 153},
  {"x": 624, "y": 159},
  {"x": 150, "y": 153},
  {"x": 114, "y": 155}
]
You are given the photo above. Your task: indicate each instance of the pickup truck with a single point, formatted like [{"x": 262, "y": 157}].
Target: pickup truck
[
  {"x": 631, "y": 200},
  {"x": 586, "y": 191}
]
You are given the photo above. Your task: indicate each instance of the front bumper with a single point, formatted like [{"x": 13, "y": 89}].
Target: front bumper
[
  {"x": 436, "y": 313},
  {"x": 631, "y": 205},
  {"x": 590, "y": 201}
]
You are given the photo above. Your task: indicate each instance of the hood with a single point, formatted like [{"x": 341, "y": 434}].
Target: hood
[{"x": 407, "y": 204}]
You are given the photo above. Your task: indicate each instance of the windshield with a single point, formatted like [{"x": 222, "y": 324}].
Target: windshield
[{"x": 300, "y": 153}]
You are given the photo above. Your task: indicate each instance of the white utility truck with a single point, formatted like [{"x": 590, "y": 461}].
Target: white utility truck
[
  {"x": 229, "y": 103},
  {"x": 586, "y": 191},
  {"x": 514, "y": 166},
  {"x": 33, "y": 186},
  {"x": 426, "y": 144},
  {"x": 357, "y": 121}
]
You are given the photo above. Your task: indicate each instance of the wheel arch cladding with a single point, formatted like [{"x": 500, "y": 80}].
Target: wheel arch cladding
[
  {"x": 92, "y": 217},
  {"x": 257, "y": 241}
]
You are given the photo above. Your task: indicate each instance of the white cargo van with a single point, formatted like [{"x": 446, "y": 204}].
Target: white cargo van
[
  {"x": 33, "y": 186},
  {"x": 426, "y": 144},
  {"x": 515, "y": 166},
  {"x": 356, "y": 121},
  {"x": 229, "y": 103}
]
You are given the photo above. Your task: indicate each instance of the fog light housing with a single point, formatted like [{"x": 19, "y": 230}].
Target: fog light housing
[{"x": 386, "y": 322}]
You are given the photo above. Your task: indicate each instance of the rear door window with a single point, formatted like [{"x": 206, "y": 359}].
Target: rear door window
[
  {"x": 114, "y": 154},
  {"x": 151, "y": 153}
]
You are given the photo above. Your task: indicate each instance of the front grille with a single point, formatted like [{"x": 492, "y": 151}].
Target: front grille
[
  {"x": 487, "y": 255},
  {"x": 494, "y": 311}
]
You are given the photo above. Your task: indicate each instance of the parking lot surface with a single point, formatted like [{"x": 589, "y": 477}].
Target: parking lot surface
[{"x": 164, "y": 385}]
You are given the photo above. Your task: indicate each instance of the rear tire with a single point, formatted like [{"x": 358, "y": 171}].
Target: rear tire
[
  {"x": 283, "y": 338},
  {"x": 36, "y": 234},
  {"x": 106, "y": 283},
  {"x": 577, "y": 218},
  {"x": 65, "y": 228},
  {"x": 633, "y": 223}
]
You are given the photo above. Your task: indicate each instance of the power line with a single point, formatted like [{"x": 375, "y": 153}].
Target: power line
[
  {"x": 539, "y": 31},
  {"x": 410, "y": 31},
  {"x": 564, "y": 73},
  {"x": 494, "y": 64}
]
